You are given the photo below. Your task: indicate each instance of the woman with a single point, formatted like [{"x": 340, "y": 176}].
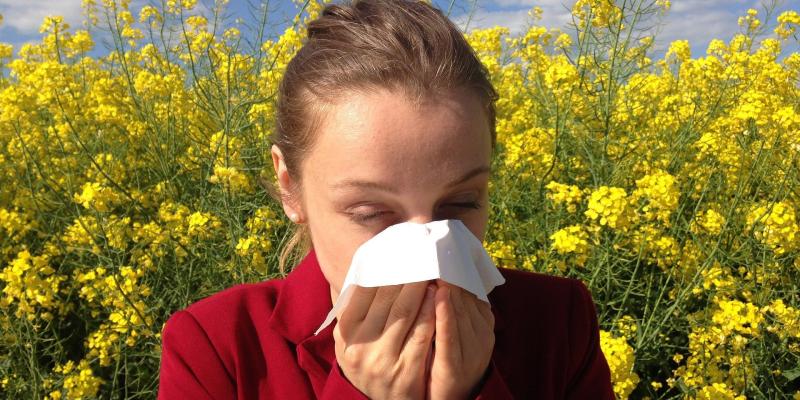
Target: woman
[{"x": 384, "y": 116}]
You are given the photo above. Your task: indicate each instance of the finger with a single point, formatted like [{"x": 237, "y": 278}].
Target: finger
[
  {"x": 482, "y": 327},
  {"x": 447, "y": 340},
  {"x": 483, "y": 332},
  {"x": 372, "y": 326},
  {"x": 466, "y": 331},
  {"x": 417, "y": 343},
  {"x": 481, "y": 311},
  {"x": 355, "y": 311},
  {"x": 402, "y": 314},
  {"x": 486, "y": 311}
]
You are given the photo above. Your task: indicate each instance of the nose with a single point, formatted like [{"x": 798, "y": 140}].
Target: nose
[
  {"x": 420, "y": 218},
  {"x": 423, "y": 217},
  {"x": 423, "y": 220}
]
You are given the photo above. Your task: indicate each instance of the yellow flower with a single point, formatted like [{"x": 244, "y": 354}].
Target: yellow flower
[
  {"x": 502, "y": 253},
  {"x": 718, "y": 391},
  {"x": 81, "y": 382},
  {"x": 232, "y": 178},
  {"x": 572, "y": 239},
  {"x": 569, "y": 195},
  {"x": 609, "y": 207},
  {"x": 660, "y": 193},
  {"x": 679, "y": 49},
  {"x": 97, "y": 196},
  {"x": 620, "y": 357},
  {"x": 31, "y": 285},
  {"x": 787, "y": 24},
  {"x": 788, "y": 319},
  {"x": 147, "y": 12},
  {"x": 710, "y": 222},
  {"x": 775, "y": 225},
  {"x": 6, "y": 50}
]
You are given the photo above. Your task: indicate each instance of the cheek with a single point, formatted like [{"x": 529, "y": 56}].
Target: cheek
[
  {"x": 476, "y": 223},
  {"x": 334, "y": 243},
  {"x": 333, "y": 260}
]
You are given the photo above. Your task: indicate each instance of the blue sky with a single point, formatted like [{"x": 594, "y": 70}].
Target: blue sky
[{"x": 699, "y": 21}]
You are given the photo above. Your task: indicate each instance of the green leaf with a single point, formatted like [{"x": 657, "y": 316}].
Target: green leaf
[{"x": 792, "y": 374}]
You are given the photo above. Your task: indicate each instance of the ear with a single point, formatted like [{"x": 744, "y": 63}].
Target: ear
[{"x": 285, "y": 183}]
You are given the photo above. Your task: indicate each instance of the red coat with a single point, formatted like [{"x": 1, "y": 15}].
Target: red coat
[{"x": 256, "y": 341}]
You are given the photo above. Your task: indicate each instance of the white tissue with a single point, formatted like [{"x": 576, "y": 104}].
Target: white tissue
[{"x": 413, "y": 252}]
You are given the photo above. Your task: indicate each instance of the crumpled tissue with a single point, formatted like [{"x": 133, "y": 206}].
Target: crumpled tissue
[{"x": 412, "y": 252}]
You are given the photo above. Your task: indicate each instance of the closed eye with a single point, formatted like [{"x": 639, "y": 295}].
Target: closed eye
[
  {"x": 472, "y": 204},
  {"x": 364, "y": 218},
  {"x": 361, "y": 218}
]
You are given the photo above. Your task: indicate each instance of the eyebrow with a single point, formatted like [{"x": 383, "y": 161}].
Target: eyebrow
[{"x": 348, "y": 183}]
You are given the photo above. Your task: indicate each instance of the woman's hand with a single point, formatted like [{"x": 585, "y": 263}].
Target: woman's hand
[
  {"x": 463, "y": 345},
  {"x": 383, "y": 338}
]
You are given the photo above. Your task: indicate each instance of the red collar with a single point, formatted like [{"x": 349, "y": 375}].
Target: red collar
[
  {"x": 302, "y": 304},
  {"x": 303, "y": 301}
]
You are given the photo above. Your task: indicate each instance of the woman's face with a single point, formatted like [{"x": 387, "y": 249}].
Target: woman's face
[{"x": 379, "y": 161}]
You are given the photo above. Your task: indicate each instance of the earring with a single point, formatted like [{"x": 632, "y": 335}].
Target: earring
[{"x": 294, "y": 217}]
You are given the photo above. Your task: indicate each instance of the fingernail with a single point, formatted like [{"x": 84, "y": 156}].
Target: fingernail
[{"x": 430, "y": 291}]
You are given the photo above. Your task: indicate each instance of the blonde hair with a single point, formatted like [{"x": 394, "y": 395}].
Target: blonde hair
[{"x": 363, "y": 45}]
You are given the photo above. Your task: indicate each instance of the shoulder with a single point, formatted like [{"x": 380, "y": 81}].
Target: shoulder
[
  {"x": 218, "y": 314},
  {"x": 549, "y": 328},
  {"x": 526, "y": 279},
  {"x": 204, "y": 343},
  {"x": 532, "y": 289},
  {"x": 247, "y": 297},
  {"x": 551, "y": 308}
]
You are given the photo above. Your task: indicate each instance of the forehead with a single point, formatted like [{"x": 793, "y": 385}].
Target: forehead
[{"x": 388, "y": 136}]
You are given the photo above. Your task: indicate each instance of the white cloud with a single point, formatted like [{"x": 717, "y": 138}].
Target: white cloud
[
  {"x": 697, "y": 27},
  {"x": 700, "y": 21},
  {"x": 528, "y": 3},
  {"x": 25, "y": 16},
  {"x": 555, "y": 13},
  {"x": 514, "y": 15},
  {"x": 514, "y": 3},
  {"x": 697, "y": 21},
  {"x": 514, "y": 20}
]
